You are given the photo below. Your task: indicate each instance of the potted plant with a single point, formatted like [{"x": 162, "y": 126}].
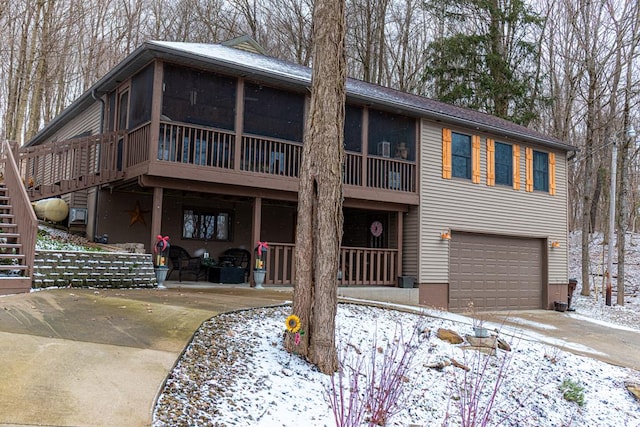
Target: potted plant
[
  {"x": 260, "y": 271},
  {"x": 161, "y": 250}
]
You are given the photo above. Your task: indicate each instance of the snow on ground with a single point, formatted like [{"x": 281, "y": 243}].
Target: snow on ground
[
  {"x": 54, "y": 239},
  {"x": 236, "y": 372}
]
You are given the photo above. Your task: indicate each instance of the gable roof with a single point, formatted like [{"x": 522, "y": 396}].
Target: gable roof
[
  {"x": 245, "y": 43},
  {"x": 217, "y": 57}
]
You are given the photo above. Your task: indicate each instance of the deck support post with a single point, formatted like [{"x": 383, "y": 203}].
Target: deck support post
[
  {"x": 255, "y": 227},
  {"x": 156, "y": 216}
]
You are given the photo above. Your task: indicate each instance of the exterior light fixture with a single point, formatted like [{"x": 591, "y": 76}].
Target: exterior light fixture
[
  {"x": 445, "y": 235},
  {"x": 555, "y": 244}
]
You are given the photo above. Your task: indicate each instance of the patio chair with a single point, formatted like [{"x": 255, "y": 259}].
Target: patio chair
[{"x": 183, "y": 262}]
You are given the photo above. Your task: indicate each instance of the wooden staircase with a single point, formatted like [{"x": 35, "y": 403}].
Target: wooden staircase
[
  {"x": 12, "y": 259},
  {"x": 18, "y": 229}
]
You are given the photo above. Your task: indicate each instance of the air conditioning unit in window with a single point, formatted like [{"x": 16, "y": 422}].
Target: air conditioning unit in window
[
  {"x": 384, "y": 149},
  {"x": 77, "y": 216}
]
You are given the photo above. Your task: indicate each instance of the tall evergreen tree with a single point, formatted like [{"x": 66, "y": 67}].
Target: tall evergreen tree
[{"x": 486, "y": 57}]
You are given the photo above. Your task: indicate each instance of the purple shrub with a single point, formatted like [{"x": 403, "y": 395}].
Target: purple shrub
[{"x": 385, "y": 382}]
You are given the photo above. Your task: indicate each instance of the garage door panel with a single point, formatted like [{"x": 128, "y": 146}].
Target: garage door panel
[{"x": 495, "y": 272}]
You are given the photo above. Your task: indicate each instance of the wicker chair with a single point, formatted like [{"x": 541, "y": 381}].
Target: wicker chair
[{"x": 183, "y": 262}]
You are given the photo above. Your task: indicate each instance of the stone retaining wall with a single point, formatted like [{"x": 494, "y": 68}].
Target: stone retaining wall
[{"x": 96, "y": 269}]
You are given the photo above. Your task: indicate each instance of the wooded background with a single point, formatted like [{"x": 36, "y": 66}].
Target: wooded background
[{"x": 568, "y": 68}]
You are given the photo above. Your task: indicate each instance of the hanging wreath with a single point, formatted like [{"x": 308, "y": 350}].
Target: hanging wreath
[{"x": 376, "y": 228}]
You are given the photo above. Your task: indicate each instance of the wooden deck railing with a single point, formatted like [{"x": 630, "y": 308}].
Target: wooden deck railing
[
  {"x": 280, "y": 264},
  {"x": 358, "y": 266},
  {"x": 391, "y": 174},
  {"x": 352, "y": 174},
  {"x": 216, "y": 147},
  {"x": 196, "y": 145},
  {"x": 271, "y": 156},
  {"x": 366, "y": 266},
  {"x": 60, "y": 167},
  {"x": 138, "y": 145}
]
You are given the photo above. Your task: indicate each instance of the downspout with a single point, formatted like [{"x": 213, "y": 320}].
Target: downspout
[{"x": 97, "y": 193}]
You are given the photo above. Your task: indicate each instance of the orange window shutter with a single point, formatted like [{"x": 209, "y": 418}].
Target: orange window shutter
[
  {"x": 552, "y": 174},
  {"x": 529, "y": 169},
  {"x": 475, "y": 159},
  {"x": 446, "y": 153},
  {"x": 516, "y": 167},
  {"x": 491, "y": 162}
]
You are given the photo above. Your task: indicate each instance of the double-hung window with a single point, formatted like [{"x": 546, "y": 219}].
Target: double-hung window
[
  {"x": 540, "y": 171},
  {"x": 503, "y": 164},
  {"x": 460, "y": 155},
  {"x": 205, "y": 225}
]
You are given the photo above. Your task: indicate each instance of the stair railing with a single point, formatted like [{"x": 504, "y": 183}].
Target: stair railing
[{"x": 25, "y": 217}]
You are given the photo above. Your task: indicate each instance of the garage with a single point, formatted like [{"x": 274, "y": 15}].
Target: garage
[{"x": 495, "y": 272}]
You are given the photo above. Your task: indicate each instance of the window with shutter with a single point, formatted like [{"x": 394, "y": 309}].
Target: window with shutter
[
  {"x": 552, "y": 174},
  {"x": 503, "y": 167},
  {"x": 461, "y": 156},
  {"x": 491, "y": 160},
  {"x": 516, "y": 167},
  {"x": 446, "y": 153},
  {"x": 528, "y": 156},
  {"x": 475, "y": 159},
  {"x": 540, "y": 171}
]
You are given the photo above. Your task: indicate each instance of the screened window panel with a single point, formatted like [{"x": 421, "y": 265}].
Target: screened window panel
[
  {"x": 273, "y": 112},
  {"x": 389, "y": 132},
  {"x": 199, "y": 97},
  {"x": 504, "y": 164},
  {"x": 460, "y": 155},
  {"x": 353, "y": 128},
  {"x": 141, "y": 93},
  {"x": 540, "y": 171}
]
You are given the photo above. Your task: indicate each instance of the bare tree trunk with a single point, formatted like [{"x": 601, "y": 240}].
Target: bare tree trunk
[
  {"x": 587, "y": 200},
  {"x": 319, "y": 229},
  {"x": 622, "y": 218},
  {"x": 590, "y": 15},
  {"x": 597, "y": 192},
  {"x": 44, "y": 50},
  {"x": 624, "y": 196}
]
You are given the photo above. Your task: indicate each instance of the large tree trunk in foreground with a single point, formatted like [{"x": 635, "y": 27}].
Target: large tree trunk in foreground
[{"x": 319, "y": 229}]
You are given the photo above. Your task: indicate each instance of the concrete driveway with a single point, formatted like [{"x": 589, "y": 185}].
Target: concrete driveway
[
  {"x": 80, "y": 357},
  {"x": 571, "y": 332},
  {"x": 98, "y": 358}
]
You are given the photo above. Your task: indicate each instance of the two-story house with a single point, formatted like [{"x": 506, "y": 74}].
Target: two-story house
[{"x": 203, "y": 142}]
